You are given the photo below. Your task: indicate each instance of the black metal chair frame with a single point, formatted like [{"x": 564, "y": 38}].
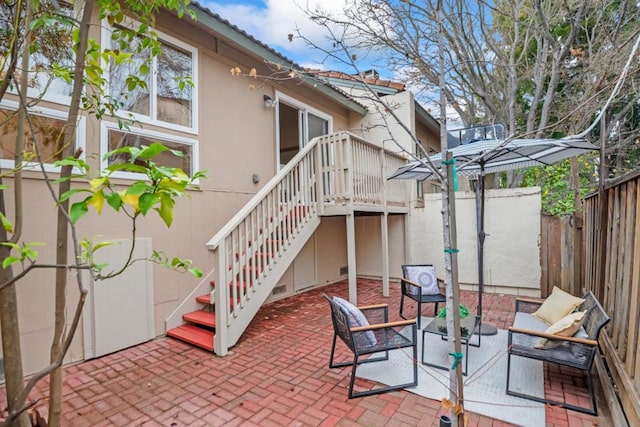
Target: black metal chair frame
[
  {"x": 574, "y": 352},
  {"x": 416, "y": 295},
  {"x": 388, "y": 335}
]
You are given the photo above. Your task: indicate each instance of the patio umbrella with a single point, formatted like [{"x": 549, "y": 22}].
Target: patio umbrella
[{"x": 478, "y": 158}]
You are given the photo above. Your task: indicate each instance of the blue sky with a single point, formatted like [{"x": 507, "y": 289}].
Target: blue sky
[{"x": 270, "y": 21}]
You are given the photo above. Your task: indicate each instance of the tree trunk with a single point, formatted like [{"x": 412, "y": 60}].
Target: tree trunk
[
  {"x": 9, "y": 324},
  {"x": 11, "y": 336},
  {"x": 456, "y": 386},
  {"x": 62, "y": 231}
]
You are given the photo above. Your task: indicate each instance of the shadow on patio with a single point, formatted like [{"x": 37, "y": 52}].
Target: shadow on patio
[{"x": 277, "y": 375}]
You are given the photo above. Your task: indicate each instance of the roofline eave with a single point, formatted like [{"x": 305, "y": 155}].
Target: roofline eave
[
  {"x": 249, "y": 44},
  {"x": 344, "y": 100},
  {"x": 428, "y": 118},
  {"x": 354, "y": 84}
]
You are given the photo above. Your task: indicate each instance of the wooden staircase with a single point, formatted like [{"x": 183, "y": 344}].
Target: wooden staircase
[
  {"x": 335, "y": 174},
  {"x": 200, "y": 325}
]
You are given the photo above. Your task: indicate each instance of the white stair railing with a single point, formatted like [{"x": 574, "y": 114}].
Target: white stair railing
[
  {"x": 257, "y": 245},
  {"x": 255, "y": 248},
  {"x": 355, "y": 171}
]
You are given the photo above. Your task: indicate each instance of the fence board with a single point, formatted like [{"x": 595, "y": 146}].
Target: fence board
[
  {"x": 551, "y": 254},
  {"x": 627, "y": 223},
  {"x": 612, "y": 242},
  {"x": 578, "y": 256},
  {"x": 566, "y": 246},
  {"x": 632, "y": 364},
  {"x": 560, "y": 254},
  {"x": 544, "y": 273},
  {"x": 612, "y": 237},
  {"x": 616, "y": 266}
]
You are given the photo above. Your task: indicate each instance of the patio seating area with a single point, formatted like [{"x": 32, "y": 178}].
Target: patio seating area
[{"x": 277, "y": 375}]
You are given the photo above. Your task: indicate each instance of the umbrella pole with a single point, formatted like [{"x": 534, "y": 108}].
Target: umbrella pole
[{"x": 484, "y": 327}]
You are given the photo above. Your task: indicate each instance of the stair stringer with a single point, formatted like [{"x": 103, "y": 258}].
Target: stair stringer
[
  {"x": 244, "y": 314},
  {"x": 189, "y": 303}
]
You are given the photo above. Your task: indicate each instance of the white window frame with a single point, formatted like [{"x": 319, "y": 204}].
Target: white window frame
[
  {"x": 35, "y": 93},
  {"x": 47, "y": 96},
  {"x": 80, "y": 140},
  {"x": 106, "y": 126},
  {"x": 305, "y": 109},
  {"x": 127, "y": 115}
]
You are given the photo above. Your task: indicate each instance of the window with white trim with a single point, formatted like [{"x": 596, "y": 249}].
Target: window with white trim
[
  {"x": 113, "y": 138},
  {"x": 166, "y": 101},
  {"x": 52, "y": 58},
  {"x": 47, "y": 139}
]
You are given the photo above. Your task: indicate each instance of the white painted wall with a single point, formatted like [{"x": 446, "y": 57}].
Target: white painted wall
[
  {"x": 511, "y": 248},
  {"x": 369, "y": 245}
]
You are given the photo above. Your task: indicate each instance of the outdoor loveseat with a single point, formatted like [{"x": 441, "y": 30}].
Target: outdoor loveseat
[{"x": 562, "y": 330}]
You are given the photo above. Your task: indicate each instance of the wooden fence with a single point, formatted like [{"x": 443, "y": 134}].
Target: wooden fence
[
  {"x": 612, "y": 242},
  {"x": 561, "y": 252}
]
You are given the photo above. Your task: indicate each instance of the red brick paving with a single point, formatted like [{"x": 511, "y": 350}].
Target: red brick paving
[{"x": 276, "y": 375}]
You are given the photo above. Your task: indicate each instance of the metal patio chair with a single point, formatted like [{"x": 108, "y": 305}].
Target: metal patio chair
[
  {"x": 376, "y": 335},
  {"x": 419, "y": 283}
]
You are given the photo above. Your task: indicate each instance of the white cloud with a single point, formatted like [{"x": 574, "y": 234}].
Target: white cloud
[{"x": 273, "y": 23}]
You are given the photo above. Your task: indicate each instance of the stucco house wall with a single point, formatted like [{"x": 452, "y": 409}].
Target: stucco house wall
[
  {"x": 235, "y": 139},
  {"x": 369, "y": 245},
  {"x": 511, "y": 248},
  {"x": 382, "y": 126}
]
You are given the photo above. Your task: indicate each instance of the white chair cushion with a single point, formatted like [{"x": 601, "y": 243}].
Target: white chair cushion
[
  {"x": 425, "y": 276},
  {"x": 356, "y": 318}
]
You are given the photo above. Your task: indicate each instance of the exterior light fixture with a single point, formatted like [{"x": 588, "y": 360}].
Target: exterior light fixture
[{"x": 268, "y": 101}]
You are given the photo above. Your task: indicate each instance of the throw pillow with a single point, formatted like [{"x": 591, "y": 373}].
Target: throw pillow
[
  {"x": 425, "y": 276},
  {"x": 357, "y": 318},
  {"x": 565, "y": 327},
  {"x": 556, "y": 306}
]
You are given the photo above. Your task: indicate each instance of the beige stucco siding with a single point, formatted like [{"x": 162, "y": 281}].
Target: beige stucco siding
[
  {"x": 511, "y": 248},
  {"x": 36, "y": 293},
  {"x": 236, "y": 139},
  {"x": 369, "y": 245},
  {"x": 331, "y": 241},
  {"x": 429, "y": 139}
]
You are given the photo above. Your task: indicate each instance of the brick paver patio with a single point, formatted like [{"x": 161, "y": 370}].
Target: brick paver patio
[{"x": 277, "y": 375}]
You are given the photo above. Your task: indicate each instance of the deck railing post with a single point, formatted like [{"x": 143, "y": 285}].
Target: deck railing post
[
  {"x": 383, "y": 169},
  {"x": 221, "y": 296},
  {"x": 347, "y": 166},
  {"x": 319, "y": 175}
]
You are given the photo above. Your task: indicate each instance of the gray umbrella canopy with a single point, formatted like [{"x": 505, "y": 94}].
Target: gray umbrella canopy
[
  {"x": 495, "y": 155},
  {"x": 478, "y": 158}
]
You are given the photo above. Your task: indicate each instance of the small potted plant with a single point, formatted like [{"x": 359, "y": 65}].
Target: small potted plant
[{"x": 464, "y": 312}]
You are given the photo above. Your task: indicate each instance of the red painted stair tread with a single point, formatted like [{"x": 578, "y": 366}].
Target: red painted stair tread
[
  {"x": 193, "y": 335},
  {"x": 201, "y": 317},
  {"x": 206, "y": 299}
]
